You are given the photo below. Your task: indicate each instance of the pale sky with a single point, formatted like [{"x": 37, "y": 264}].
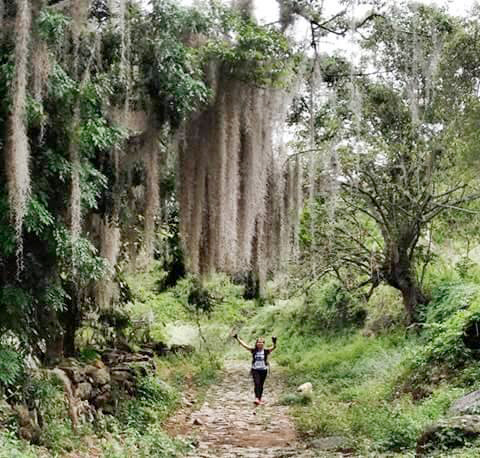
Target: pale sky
[{"x": 267, "y": 11}]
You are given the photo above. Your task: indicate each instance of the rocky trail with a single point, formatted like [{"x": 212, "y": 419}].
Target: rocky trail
[{"x": 228, "y": 425}]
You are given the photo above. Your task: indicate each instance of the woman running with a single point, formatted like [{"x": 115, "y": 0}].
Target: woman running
[{"x": 259, "y": 363}]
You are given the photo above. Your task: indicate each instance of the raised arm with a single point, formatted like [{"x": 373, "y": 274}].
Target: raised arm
[
  {"x": 274, "y": 340},
  {"x": 242, "y": 343}
]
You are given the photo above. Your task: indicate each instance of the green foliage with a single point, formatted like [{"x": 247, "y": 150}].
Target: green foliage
[
  {"x": 467, "y": 269},
  {"x": 258, "y": 53},
  {"x": 154, "y": 401},
  {"x": 35, "y": 113},
  {"x": 151, "y": 442},
  {"x": 52, "y": 25},
  {"x": 61, "y": 87},
  {"x": 385, "y": 311},
  {"x": 14, "y": 302},
  {"x": 12, "y": 447},
  {"x": 199, "y": 299},
  {"x": 38, "y": 218},
  {"x": 55, "y": 297},
  {"x": 172, "y": 73},
  {"x": 150, "y": 307},
  {"x": 96, "y": 136},
  {"x": 89, "y": 355},
  {"x": 329, "y": 306},
  {"x": 78, "y": 256},
  {"x": 11, "y": 367},
  {"x": 295, "y": 399},
  {"x": 153, "y": 390},
  {"x": 452, "y": 314},
  {"x": 206, "y": 369}
]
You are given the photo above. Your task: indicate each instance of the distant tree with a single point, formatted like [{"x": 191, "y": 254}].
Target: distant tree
[{"x": 391, "y": 165}]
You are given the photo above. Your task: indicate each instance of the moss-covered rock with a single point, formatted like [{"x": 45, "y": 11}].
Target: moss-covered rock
[{"x": 449, "y": 432}]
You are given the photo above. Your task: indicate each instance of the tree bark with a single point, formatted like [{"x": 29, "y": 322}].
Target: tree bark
[
  {"x": 398, "y": 273},
  {"x": 71, "y": 322},
  {"x": 412, "y": 298}
]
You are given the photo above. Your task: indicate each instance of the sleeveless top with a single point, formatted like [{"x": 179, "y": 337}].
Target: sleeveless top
[{"x": 259, "y": 359}]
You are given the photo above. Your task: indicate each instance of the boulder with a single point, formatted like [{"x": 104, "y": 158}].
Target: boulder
[
  {"x": 102, "y": 400},
  {"x": 182, "y": 349},
  {"x": 95, "y": 385},
  {"x": 113, "y": 357},
  {"x": 124, "y": 379},
  {"x": 6, "y": 413},
  {"x": 159, "y": 348},
  {"x": 146, "y": 352},
  {"x": 99, "y": 376},
  {"x": 142, "y": 368},
  {"x": 74, "y": 371},
  {"x": 23, "y": 415},
  {"x": 30, "y": 434},
  {"x": 84, "y": 390},
  {"x": 331, "y": 443},
  {"x": 122, "y": 372},
  {"x": 449, "y": 432},
  {"x": 29, "y": 428},
  {"x": 137, "y": 358},
  {"x": 469, "y": 404}
]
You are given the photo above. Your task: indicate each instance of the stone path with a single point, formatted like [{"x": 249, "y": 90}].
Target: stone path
[{"x": 229, "y": 426}]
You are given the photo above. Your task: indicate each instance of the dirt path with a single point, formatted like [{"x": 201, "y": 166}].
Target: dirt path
[{"x": 229, "y": 426}]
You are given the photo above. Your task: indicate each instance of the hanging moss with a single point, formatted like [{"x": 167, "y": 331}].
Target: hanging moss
[
  {"x": 106, "y": 289},
  {"x": 18, "y": 149},
  {"x": 152, "y": 192},
  {"x": 226, "y": 161}
]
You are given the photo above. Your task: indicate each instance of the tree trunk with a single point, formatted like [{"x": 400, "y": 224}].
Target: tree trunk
[
  {"x": 70, "y": 324},
  {"x": 52, "y": 334},
  {"x": 69, "y": 339},
  {"x": 54, "y": 350},
  {"x": 412, "y": 298},
  {"x": 398, "y": 272}
]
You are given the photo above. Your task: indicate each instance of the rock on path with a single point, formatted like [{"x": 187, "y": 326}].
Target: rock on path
[{"x": 229, "y": 426}]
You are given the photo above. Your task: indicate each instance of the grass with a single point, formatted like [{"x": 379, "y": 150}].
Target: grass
[
  {"x": 12, "y": 447},
  {"x": 359, "y": 380},
  {"x": 374, "y": 384}
]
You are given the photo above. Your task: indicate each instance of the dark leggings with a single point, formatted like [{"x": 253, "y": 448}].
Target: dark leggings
[{"x": 259, "y": 377}]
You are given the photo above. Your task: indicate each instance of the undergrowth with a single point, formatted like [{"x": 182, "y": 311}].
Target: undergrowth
[{"x": 375, "y": 383}]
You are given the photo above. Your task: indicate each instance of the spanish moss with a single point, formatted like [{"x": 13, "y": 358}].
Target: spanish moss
[{"x": 18, "y": 150}]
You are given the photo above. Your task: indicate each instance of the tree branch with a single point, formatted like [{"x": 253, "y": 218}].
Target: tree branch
[
  {"x": 437, "y": 209},
  {"x": 382, "y": 220}
]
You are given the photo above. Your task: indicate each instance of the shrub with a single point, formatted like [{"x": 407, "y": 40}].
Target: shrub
[
  {"x": 12, "y": 447},
  {"x": 154, "y": 390},
  {"x": 291, "y": 399},
  {"x": 331, "y": 307},
  {"x": 455, "y": 309},
  {"x": 11, "y": 367},
  {"x": 386, "y": 311},
  {"x": 151, "y": 442},
  {"x": 153, "y": 403}
]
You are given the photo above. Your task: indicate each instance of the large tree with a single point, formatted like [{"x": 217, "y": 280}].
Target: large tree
[{"x": 391, "y": 164}]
